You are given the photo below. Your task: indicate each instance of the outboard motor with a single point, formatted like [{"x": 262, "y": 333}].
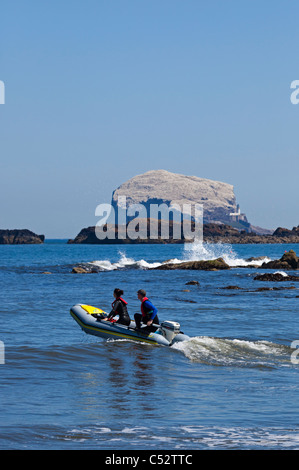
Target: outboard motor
[{"x": 170, "y": 329}]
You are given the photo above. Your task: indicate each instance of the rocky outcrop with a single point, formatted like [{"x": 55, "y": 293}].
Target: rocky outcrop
[
  {"x": 88, "y": 236},
  {"x": 18, "y": 237},
  {"x": 284, "y": 232},
  {"x": 163, "y": 187},
  {"x": 222, "y": 220},
  {"x": 275, "y": 277},
  {"x": 288, "y": 261},
  {"x": 284, "y": 235},
  {"x": 210, "y": 265}
]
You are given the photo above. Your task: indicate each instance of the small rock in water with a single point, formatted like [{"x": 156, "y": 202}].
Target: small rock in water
[
  {"x": 80, "y": 270},
  {"x": 232, "y": 287}
]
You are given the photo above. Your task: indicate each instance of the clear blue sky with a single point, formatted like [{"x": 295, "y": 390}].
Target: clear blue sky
[{"x": 98, "y": 91}]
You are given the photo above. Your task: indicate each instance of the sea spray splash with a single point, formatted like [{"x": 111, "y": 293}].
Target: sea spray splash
[
  {"x": 124, "y": 262},
  {"x": 198, "y": 251}
]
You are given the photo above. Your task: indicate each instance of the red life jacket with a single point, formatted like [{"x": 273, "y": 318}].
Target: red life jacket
[
  {"x": 142, "y": 306},
  {"x": 119, "y": 298}
]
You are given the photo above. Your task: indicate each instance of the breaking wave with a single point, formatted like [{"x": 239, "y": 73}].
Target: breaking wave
[
  {"x": 192, "y": 252},
  {"x": 205, "y": 252},
  {"x": 122, "y": 263}
]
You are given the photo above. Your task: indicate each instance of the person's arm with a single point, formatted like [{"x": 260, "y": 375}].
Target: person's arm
[
  {"x": 113, "y": 311},
  {"x": 153, "y": 311}
]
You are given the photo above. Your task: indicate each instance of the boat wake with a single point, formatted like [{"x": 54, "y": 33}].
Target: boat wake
[
  {"x": 235, "y": 352},
  {"x": 192, "y": 252}
]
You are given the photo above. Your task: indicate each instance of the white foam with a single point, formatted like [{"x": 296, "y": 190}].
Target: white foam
[
  {"x": 123, "y": 262},
  {"x": 205, "y": 252},
  {"x": 199, "y": 436},
  {"x": 223, "y": 351},
  {"x": 103, "y": 265},
  {"x": 192, "y": 252},
  {"x": 282, "y": 273}
]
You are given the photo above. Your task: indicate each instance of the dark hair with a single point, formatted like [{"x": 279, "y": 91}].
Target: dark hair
[
  {"x": 118, "y": 292},
  {"x": 142, "y": 292}
]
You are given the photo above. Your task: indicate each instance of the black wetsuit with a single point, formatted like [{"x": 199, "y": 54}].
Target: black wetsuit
[{"x": 119, "y": 307}]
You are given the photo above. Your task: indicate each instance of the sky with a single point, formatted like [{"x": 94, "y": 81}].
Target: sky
[{"x": 98, "y": 91}]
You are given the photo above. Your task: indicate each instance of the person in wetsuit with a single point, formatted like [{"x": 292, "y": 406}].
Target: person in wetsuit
[
  {"x": 119, "y": 307},
  {"x": 148, "y": 313}
]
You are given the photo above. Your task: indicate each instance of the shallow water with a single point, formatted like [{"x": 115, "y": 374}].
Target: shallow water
[{"x": 231, "y": 386}]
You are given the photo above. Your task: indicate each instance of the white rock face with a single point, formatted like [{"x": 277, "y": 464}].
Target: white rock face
[{"x": 161, "y": 186}]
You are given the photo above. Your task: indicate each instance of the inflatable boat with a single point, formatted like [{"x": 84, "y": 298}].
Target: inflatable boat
[{"x": 92, "y": 321}]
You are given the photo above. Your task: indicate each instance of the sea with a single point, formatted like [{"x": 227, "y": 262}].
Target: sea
[{"x": 234, "y": 385}]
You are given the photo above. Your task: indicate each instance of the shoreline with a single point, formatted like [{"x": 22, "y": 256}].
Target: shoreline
[
  {"x": 212, "y": 233},
  {"x": 220, "y": 241}
]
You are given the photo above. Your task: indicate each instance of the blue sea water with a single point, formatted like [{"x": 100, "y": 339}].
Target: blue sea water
[{"x": 233, "y": 385}]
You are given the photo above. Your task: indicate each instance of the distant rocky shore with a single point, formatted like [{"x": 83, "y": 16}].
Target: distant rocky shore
[
  {"x": 212, "y": 233},
  {"x": 20, "y": 237}
]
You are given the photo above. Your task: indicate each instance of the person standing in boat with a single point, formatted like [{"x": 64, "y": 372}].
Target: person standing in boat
[
  {"x": 149, "y": 313},
  {"x": 119, "y": 307}
]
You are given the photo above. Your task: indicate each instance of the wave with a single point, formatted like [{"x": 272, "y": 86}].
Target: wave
[
  {"x": 206, "y": 252},
  {"x": 234, "y": 352},
  {"x": 180, "y": 437},
  {"x": 194, "y": 436},
  {"x": 192, "y": 252},
  {"x": 282, "y": 273},
  {"x": 122, "y": 263}
]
